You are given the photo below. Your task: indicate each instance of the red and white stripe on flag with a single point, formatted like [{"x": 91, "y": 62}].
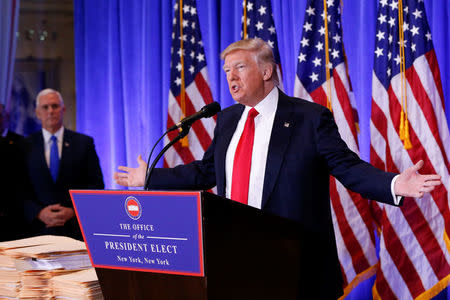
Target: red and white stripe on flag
[
  {"x": 189, "y": 86},
  {"x": 353, "y": 224},
  {"x": 414, "y": 256},
  {"x": 351, "y": 214},
  {"x": 414, "y": 259},
  {"x": 197, "y": 95}
]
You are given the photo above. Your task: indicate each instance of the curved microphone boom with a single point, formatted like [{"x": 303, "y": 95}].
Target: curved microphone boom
[{"x": 207, "y": 111}]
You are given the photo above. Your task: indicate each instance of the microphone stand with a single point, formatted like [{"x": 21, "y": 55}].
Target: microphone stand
[{"x": 184, "y": 131}]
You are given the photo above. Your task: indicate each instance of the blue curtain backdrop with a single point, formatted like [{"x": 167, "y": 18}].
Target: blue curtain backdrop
[
  {"x": 122, "y": 60},
  {"x": 8, "y": 26}
]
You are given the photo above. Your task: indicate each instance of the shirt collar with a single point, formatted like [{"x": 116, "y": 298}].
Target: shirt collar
[
  {"x": 268, "y": 105},
  {"x": 47, "y": 135}
]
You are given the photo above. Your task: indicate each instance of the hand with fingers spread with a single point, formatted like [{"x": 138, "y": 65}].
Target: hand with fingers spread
[
  {"x": 132, "y": 176},
  {"x": 412, "y": 184}
]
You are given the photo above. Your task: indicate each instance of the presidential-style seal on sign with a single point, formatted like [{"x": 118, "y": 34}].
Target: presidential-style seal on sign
[{"x": 133, "y": 207}]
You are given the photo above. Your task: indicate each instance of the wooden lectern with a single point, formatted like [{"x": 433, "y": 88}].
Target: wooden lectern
[{"x": 248, "y": 254}]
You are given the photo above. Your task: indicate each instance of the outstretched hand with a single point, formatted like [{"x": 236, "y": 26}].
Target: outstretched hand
[
  {"x": 412, "y": 184},
  {"x": 132, "y": 176}
]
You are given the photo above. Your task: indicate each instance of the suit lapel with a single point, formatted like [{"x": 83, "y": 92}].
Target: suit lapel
[
  {"x": 283, "y": 125},
  {"x": 229, "y": 124}
]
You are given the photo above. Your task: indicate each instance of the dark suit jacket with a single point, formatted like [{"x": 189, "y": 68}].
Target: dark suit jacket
[
  {"x": 12, "y": 187},
  {"x": 304, "y": 149},
  {"x": 79, "y": 168}
]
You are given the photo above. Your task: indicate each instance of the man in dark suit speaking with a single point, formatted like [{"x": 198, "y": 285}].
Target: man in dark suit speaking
[
  {"x": 276, "y": 153},
  {"x": 58, "y": 159}
]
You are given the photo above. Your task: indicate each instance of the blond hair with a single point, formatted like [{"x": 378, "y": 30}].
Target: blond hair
[{"x": 263, "y": 53}]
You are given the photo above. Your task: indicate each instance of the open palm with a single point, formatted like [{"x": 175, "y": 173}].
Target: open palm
[
  {"x": 131, "y": 176},
  {"x": 412, "y": 184}
]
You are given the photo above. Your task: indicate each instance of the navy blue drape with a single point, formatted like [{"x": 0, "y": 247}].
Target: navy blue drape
[{"x": 122, "y": 61}]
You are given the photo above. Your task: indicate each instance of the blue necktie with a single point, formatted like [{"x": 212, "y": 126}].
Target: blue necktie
[{"x": 54, "y": 158}]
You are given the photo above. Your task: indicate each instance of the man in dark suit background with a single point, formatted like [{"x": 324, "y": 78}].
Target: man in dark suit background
[
  {"x": 8, "y": 135},
  {"x": 13, "y": 177},
  {"x": 296, "y": 146},
  {"x": 57, "y": 160}
]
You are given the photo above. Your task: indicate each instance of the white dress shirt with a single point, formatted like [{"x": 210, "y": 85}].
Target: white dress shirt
[
  {"x": 263, "y": 129},
  {"x": 48, "y": 143}
]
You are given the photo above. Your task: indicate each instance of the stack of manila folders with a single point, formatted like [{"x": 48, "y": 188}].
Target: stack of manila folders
[{"x": 47, "y": 267}]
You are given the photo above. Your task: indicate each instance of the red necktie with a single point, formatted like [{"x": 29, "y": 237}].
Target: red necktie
[{"x": 243, "y": 160}]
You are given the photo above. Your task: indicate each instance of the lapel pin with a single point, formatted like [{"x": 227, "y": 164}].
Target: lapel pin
[
  {"x": 66, "y": 144},
  {"x": 286, "y": 124}
]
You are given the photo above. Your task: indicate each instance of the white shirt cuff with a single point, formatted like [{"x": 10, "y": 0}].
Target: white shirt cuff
[{"x": 396, "y": 198}]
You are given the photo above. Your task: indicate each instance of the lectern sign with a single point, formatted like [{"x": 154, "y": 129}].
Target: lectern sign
[{"x": 142, "y": 231}]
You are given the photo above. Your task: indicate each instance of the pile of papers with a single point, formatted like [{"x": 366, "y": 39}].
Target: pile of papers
[
  {"x": 77, "y": 285},
  {"x": 10, "y": 277},
  {"x": 28, "y": 265},
  {"x": 65, "y": 254}
]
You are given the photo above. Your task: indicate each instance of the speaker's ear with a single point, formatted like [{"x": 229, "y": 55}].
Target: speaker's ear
[{"x": 267, "y": 73}]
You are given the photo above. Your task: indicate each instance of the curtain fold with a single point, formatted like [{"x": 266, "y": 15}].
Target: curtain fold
[{"x": 9, "y": 21}]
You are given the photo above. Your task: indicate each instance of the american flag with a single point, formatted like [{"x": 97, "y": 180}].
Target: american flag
[
  {"x": 352, "y": 219},
  {"x": 189, "y": 86},
  {"x": 257, "y": 22},
  {"x": 414, "y": 259}
]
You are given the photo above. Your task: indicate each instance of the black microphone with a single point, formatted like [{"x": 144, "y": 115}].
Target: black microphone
[{"x": 207, "y": 111}]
